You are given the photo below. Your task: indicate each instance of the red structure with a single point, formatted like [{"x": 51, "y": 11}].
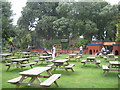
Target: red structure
[{"x": 96, "y": 46}]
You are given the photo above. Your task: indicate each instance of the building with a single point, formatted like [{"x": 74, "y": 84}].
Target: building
[{"x": 96, "y": 46}]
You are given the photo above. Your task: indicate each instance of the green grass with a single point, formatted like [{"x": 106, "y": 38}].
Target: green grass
[{"x": 88, "y": 76}]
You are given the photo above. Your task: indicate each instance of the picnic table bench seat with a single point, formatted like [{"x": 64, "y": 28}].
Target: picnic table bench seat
[
  {"x": 70, "y": 67},
  {"x": 26, "y": 56},
  {"x": 78, "y": 57},
  {"x": 83, "y": 61},
  {"x": 105, "y": 69},
  {"x": 50, "y": 80},
  {"x": 39, "y": 60},
  {"x": 26, "y": 64},
  {"x": 98, "y": 61},
  {"x": 66, "y": 57},
  {"x": 50, "y": 65},
  {"x": 11, "y": 58},
  {"x": 14, "y": 80}
]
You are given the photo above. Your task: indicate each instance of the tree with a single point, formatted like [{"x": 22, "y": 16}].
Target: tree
[
  {"x": 44, "y": 27},
  {"x": 118, "y": 26},
  {"x": 7, "y": 27}
]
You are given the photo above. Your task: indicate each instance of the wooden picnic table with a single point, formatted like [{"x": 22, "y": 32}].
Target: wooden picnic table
[
  {"x": 45, "y": 58},
  {"x": 110, "y": 56},
  {"x": 72, "y": 56},
  {"x": 5, "y": 55},
  {"x": 113, "y": 66},
  {"x": 91, "y": 60},
  {"x": 62, "y": 64},
  {"x": 20, "y": 60},
  {"x": 24, "y": 52},
  {"x": 35, "y": 75},
  {"x": 19, "y": 63}
]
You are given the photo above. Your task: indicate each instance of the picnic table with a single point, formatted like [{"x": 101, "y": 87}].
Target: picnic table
[
  {"x": 72, "y": 56},
  {"x": 91, "y": 60},
  {"x": 5, "y": 55},
  {"x": 27, "y": 53},
  {"x": 19, "y": 63},
  {"x": 44, "y": 59},
  {"x": 62, "y": 64},
  {"x": 113, "y": 66},
  {"x": 35, "y": 75},
  {"x": 110, "y": 56}
]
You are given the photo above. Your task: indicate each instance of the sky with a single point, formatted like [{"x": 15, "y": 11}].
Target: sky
[{"x": 17, "y": 6}]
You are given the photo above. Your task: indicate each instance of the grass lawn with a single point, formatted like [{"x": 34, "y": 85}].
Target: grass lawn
[{"x": 89, "y": 76}]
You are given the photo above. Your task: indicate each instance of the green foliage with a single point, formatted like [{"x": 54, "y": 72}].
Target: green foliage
[
  {"x": 118, "y": 31},
  {"x": 48, "y": 44},
  {"x": 7, "y": 27},
  {"x": 118, "y": 26},
  {"x": 80, "y": 43},
  {"x": 69, "y": 20},
  {"x": 63, "y": 27}
]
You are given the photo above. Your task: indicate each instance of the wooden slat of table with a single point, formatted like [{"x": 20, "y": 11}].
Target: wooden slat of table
[
  {"x": 115, "y": 62},
  {"x": 44, "y": 56},
  {"x": 90, "y": 57},
  {"x": 6, "y": 54},
  {"x": 72, "y": 54},
  {"x": 21, "y": 59},
  {"x": 35, "y": 71},
  {"x": 61, "y": 60},
  {"x": 110, "y": 54}
]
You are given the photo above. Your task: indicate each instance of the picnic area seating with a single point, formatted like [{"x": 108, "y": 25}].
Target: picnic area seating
[
  {"x": 50, "y": 80},
  {"x": 78, "y": 58},
  {"x": 35, "y": 74},
  {"x": 21, "y": 65},
  {"x": 15, "y": 80},
  {"x": 21, "y": 62},
  {"x": 70, "y": 66},
  {"x": 113, "y": 66},
  {"x": 50, "y": 65},
  {"x": 43, "y": 60},
  {"x": 91, "y": 60},
  {"x": 110, "y": 56}
]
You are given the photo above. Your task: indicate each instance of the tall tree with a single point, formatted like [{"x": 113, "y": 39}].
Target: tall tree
[{"x": 7, "y": 27}]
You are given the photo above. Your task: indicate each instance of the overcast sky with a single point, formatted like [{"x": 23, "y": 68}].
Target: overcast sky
[{"x": 18, "y": 4}]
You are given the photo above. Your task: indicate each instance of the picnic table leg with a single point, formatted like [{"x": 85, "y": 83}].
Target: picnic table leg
[
  {"x": 49, "y": 72},
  {"x": 56, "y": 66},
  {"x": 84, "y": 64},
  {"x": 18, "y": 84},
  {"x": 72, "y": 69},
  {"x": 56, "y": 84},
  {"x": 67, "y": 62},
  {"x": 8, "y": 68},
  {"x": 31, "y": 66},
  {"x": 98, "y": 65},
  {"x": 106, "y": 72},
  {"x": 31, "y": 80},
  {"x": 37, "y": 79}
]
